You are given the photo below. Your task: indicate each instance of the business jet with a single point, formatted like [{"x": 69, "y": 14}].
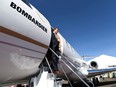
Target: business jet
[
  {"x": 25, "y": 37},
  {"x": 102, "y": 62}
]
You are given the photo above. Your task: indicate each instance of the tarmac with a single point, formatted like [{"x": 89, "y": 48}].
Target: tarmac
[{"x": 106, "y": 82}]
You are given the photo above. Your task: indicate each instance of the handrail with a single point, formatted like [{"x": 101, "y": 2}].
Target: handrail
[
  {"x": 62, "y": 68},
  {"x": 49, "y": 66},
  {"x": 78, "y": 70},
  {"x": 51, "y": 70},
  {"x": 76, "y": 74},
  {"x": 66, "y": 75},
  {"x": 70, "y": 68}
]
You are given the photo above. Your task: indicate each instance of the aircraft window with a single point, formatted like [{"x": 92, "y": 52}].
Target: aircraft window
[
  {"x": 72, "y": 49},
  {"x": 66, "y": 43},
  {"x": 26, "y": 2}
]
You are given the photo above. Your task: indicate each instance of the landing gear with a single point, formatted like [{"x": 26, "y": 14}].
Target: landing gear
[{"x": 95, "y": 80}]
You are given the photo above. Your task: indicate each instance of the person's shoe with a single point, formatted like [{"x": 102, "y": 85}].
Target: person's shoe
[{"x": 57, "y": 72}]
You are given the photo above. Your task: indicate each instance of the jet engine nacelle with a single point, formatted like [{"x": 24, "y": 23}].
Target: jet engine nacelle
[{"x": 94, "y": 64}]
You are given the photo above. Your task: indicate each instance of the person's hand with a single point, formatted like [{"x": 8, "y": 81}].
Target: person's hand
[{"x": 59, "y": 57}]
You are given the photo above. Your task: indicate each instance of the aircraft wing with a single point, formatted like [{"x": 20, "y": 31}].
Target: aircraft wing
[{"x": 95, "y": 72}]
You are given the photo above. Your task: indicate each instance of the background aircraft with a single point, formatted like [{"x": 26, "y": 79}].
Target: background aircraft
[{"x": 102, "y": 61}]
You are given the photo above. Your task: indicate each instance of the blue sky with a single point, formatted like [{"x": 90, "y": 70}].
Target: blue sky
[{"x": 88, "y": 25}]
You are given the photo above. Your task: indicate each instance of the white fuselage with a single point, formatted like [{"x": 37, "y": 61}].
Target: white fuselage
[{"x": 25, "y": 36}]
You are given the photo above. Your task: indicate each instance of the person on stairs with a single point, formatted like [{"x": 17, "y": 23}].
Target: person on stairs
[{"x": 56, "y": 48}]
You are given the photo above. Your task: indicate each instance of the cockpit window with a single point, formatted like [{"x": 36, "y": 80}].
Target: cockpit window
[{"x": 27, "y": 3}]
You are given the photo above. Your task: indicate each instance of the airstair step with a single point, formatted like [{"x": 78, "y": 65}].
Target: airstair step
[{"x": 58, "y": 79}]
